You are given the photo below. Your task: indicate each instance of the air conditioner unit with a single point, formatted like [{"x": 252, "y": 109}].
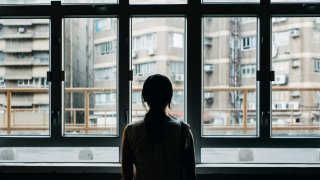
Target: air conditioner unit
[
  {"x": 208, "y": 68},
  {"x": 21, "y": 29},
  {"x": 293, "y": 105},
  {"x": 294, "y": 33},
  {"x": 151, "y": 52},
  {"x": 295, "y": 94},
  {"x": 281, "y": 105},
  {"x": 252, "y": 106},
  {"x": 141, "y": 77},
  {"x": 178, "y": 77},
  {"x": 280, "y": 80},
  {"x": 317, "y": 20},
  {"x": 295, "y": 64},
  {"x": 134, "y": 54},
  {"x": 274, "y": 105},
  {"x": 208, "y": 95},
  {"x": 207, "y": 41}
]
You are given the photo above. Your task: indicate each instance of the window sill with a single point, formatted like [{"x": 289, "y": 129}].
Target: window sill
[{"x": 115, "y": 168}]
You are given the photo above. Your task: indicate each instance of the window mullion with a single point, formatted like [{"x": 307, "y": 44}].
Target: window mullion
[
  {"x": 194, "y": 77},
  {"x": 56, "y": 67},
  {"x": 264, "y": 81},
  {"x": 123, "y": 66}
]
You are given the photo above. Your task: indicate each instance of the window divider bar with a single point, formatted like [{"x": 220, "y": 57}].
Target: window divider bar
[
  {"x": 194, "y": 77},
  {"x": 56, "y": 68},
  {"x": 264, "y": 93}
]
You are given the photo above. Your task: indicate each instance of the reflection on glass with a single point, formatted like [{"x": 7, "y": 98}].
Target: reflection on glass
[
  {"x": 25, "y": 1},
  {"x": 89, "y": 1},
  {"x": 293, "y": 1},
  {"x": 229, "y": 76},
  {"x": 296, "y": 89},
  {"x": 158, "y": 1},
  {"x": 158, "y": 47},
  {"x": 24, "y": 62},
  {"x": 230, "y": 1},
  {"x": 90, "y": 57},
  {"x": 59, "y": 154},
  {"x": 260, "y": 155}
]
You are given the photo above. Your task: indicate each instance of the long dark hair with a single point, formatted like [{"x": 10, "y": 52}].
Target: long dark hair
[{"x": 157, "y": 93}]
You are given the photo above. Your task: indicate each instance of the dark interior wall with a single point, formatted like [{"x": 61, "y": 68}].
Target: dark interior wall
[{"x": 101, "y": 176}]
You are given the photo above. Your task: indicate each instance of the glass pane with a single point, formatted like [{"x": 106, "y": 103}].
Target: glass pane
[
  {"x": 230, "y": 1},
  {"x": 25, "y": 1},
  {"x": 158, "y": 48},
  {"x": 295, "y": 90},
  {"x": 58, "y": 154},
  {"x": 89, "y": 1},
  {"x": 158, "y": 1},
  {"x": 229, "y": 76},
  {"x": 90, "y": 53},
  {"x": 260, "y": 155},
  {"x": 24, "y": 62},
  {"x": 293, "y": 1}
]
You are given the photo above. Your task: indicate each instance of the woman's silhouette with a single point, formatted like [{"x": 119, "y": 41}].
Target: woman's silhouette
[{"x": 159, "y": 147}]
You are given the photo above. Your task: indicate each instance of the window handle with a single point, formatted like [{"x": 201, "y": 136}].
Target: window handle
[
  {"x": 55, "y": 116},
  {"x": 265, "y": 118},
  {"x": 126, "y": 116}
]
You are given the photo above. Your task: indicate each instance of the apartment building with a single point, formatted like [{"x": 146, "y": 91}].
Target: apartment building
[{"x": 24, "y": 49}]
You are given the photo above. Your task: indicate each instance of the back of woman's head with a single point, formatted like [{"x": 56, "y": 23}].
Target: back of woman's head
[{"x": 157, "y": 92}]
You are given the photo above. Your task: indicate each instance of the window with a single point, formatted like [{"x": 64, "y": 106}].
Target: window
[
  {"x": 66, "y": 77},
  {"x": 281, "y": 38},
  {"x": 248, "y": 70},
  {"x": 106, "y": 48},
  {"x": 176, "y": 40},
  {"x": 2, "y": 56},
  {"x": 144, "y": 69},
  {"x": 102, "y": 25},
  {"x": 248, "y": 43},
  {"x": 105, "y": 73},
  {"x": 2, "y": 82},
  {"x": 316, "y": 65},
  {"x": 177, "y": 67},
  {"x": 145, "y": 41}
]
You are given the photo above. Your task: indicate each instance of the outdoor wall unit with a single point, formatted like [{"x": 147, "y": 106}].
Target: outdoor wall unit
[
  {"x": 208, "y": 68},
  {"x": 151, "y": 52},
  {"x": 294, "y": 33},
  {"x": 280, "y": 80},
  {"x": 178, "y": 77},
  {"x": 134, "y": 54}
]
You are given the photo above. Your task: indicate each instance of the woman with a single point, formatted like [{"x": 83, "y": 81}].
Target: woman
[{"x": 159, "y": 147}]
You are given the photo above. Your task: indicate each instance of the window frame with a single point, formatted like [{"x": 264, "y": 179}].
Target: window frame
[{"x": 194, "y": 11}]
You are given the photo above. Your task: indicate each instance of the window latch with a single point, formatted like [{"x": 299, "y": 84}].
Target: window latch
[{"x": 265, "y": 76}]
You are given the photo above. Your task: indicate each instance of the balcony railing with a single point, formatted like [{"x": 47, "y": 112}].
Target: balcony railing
[{"x": 84, "y": 122}]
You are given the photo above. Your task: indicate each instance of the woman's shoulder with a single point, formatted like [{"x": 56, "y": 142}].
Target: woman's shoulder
[{"x": 134, "y": 125}]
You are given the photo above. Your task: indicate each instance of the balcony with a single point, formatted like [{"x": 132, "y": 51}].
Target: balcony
[{"x": 10, "y": 121}]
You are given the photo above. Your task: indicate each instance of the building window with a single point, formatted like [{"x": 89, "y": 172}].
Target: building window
[
  {"x": 105, "y": 73},
  {"x": 177, "y": 67},
  {"x": 281, "y": 38},
  {"x": 176, "y": 40},
  {"x": 34, "y": 82},
  {"x": 41, "y": 57},
  {"x": 248, "y": 70},
  {"x": 2, "y": 82},
  {"x": 145, "y": 41},
  {"x": 106, "y": 48},
  {"x": 144, "y": 69},
  {"x": 249, "y": 43},
  {"x": 102, "y": 24},
  {"x": 136, "y": 98},
  {"x": 317, "y": 65},
  {"x": 105, "y": 99},
  {"x": 2, "y": 55}
]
